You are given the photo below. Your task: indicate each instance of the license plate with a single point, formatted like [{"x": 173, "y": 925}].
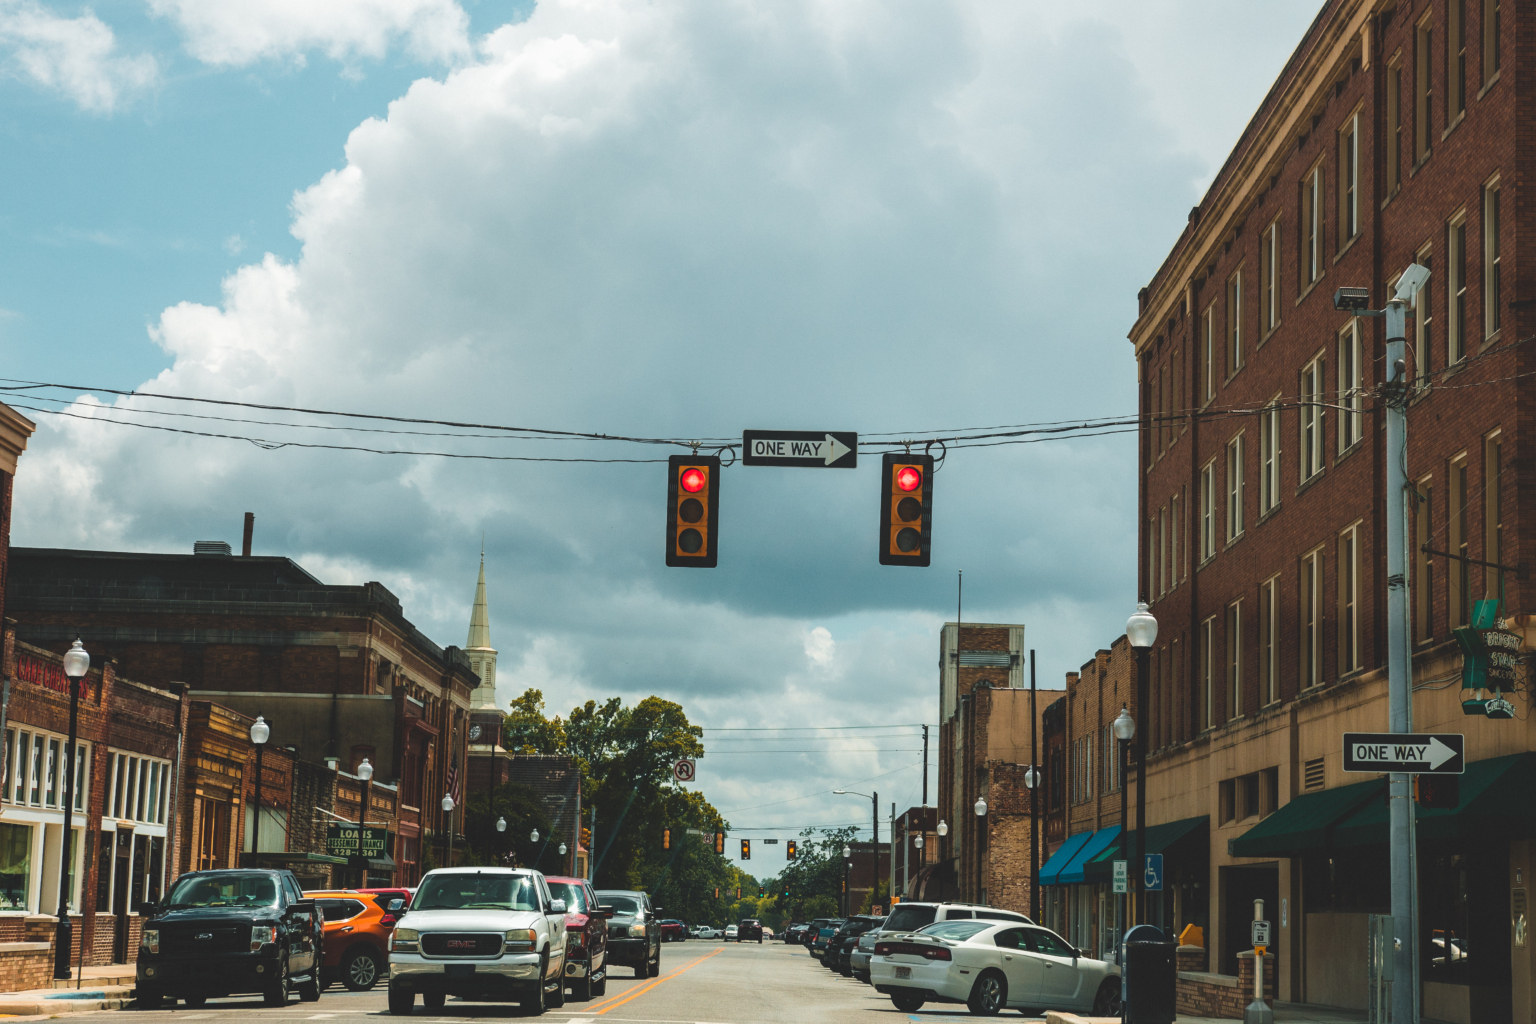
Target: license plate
[
  {"x": 903, "y": 972},
  {"x": 458, "y": 970}
]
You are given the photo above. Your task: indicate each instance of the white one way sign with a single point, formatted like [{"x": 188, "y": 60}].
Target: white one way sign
[
  {"x": 1412, "y": 753},
  {"x": 820, "y": 449}
]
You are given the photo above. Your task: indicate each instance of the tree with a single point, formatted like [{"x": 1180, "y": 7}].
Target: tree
[
  {"x": 524, "y": 813},
  {"x": 816, "y": 873}
]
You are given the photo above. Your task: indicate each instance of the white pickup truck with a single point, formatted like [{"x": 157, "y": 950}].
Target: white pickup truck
[
  {"x": 705, "y": 931},
  {"x": 493, "y": 934}
]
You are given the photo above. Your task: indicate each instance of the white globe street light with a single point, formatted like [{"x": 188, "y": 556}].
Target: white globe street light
[
  {"x": 260, "y": 730},
  {"x": 918, "y": 842},
  {"x": 365, "y": 770},
  {"x": 501, "y": 824},
  {"x": 562, "y": 849},
  {"x": 981, "y": 807},
  {"x": 1031, "y": 778},
  {"x": 76, "y": 664},
  {"x": 943, "y": 828},
  {"x": 535, "y": 836},
  {"x": 1124, "y": 725},
  {"x": 1141, "y": 627}
]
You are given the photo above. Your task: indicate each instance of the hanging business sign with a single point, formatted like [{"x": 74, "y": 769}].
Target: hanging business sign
[{"x": 343, "y": 840}]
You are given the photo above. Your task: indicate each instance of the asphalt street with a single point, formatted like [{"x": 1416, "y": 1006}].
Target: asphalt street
[{"x": 701, "y": 982}]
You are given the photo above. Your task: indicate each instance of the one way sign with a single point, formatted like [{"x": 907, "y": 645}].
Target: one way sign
[{"x": 1411, "y": 753}]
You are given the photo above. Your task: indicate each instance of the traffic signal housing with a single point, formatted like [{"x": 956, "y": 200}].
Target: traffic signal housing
[
  {"x": 720, "y": 843},
  {"x": 906, "y": 509},
  {"x": 1437, "y": 792},
  {"x": 693, "y": 510},
  {"x": 746, "y": 849},
  {"x": 666, "y": 839},
  {"x": 789, "y": 851}
]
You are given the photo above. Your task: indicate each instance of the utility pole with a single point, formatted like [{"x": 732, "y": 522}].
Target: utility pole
[{"x": 925, "y": 766}]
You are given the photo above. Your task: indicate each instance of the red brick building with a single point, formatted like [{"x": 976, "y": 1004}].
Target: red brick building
[{"x": 1392, "y": 136}]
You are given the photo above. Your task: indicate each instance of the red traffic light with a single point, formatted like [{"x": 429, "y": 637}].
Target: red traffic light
[
  {"x": 693, "y": 480},
  {"x": 693, "y": 510},
  {"x": 909, "y": 478}
]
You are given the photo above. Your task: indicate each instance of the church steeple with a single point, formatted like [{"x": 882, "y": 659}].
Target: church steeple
[{"x": 482, "y": 656}]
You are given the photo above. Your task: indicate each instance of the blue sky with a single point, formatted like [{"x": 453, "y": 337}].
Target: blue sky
[{"x": 669, "y": 220}]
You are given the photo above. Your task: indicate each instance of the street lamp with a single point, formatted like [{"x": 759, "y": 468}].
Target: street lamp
[
  {"x": 1124, "y": 727},
  {"x": 501, "y": 824},
  {"x": 364, "y": 772},
  {"x": 1141, "y": 631},
  {"x": 447, "y": 806},
  {"x": 76, "y": 664},
  {"x": 980, "y": 807},
  {"x": 535, "y": 836},
  {"x": 874, "y": 817},
  {"x": 1031, "y": 783},
  {"x": 562, "y": 849},
  {"x": 260, "y": 733},
  {"x": 847, "y": 866},
  {"x": 943, "y": 829}
]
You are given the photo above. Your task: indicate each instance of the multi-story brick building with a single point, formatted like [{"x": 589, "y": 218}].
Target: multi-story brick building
[{"x": 1392, "y": 136}]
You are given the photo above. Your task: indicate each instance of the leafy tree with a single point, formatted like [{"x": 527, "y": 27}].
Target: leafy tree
[
  {"x": 816, "y": 874},
  {"x": 524, "y": 813}
]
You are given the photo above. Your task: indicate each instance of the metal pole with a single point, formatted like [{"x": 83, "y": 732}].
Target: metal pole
[
  {"x": 362, "y": 821},
  {"x": 1138, "y": 869},
  {"x": 256, "y": 826},
  {"x": 1034, "y": 804},
  {"x": 64, "y": 932},
  {"x": 874, "y": 846},
  {"x": 1399, "y": 685},
  {"x": 890, "y": 888},
  {"x": 1125, "y": 832},
  {"x": 925, "y": 761}
]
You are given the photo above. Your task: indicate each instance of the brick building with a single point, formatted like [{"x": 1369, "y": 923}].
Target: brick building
[
  {"x": 15, "y": 430},
  {"x": 985, "y": 730},
  {"x": 1389, "y": 138}
]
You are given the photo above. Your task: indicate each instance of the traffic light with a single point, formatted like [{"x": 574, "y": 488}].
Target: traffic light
[
  {"x": 717, "y": 892},
  {"x": 1437, "y": 792},
  {"x": 738, "y": 892},
  {"x": 720, "y": 843},
  {"x": 906, "y": 509},
  {"x": 693, "y": 510},
  {"x": 761, "y": 892},
  {"x": 789, "y": 851},
  {"x": 786, "y": 892},
  {"x": 586, "y": 838},
  {"x": 666, "y": 839},
  {"x": 746, "y": 849}
]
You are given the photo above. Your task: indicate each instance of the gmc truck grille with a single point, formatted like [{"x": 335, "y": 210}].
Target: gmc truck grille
[
  {"x": 461, "y": 943},
  {"x": 194, "y": 938}
]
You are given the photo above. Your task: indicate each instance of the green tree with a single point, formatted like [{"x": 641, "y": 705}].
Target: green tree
[{"x": 816, "y": 873}]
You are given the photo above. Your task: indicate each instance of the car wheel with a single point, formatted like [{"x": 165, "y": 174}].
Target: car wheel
[
  {"x": 655, "y": 966},
  {"x": 433, "y": 1002},
  {"x": 581, "y": 988},
  {"x": 150, "y": 999},
  {"x": 309, "y": 991},
  {"x": 1107, "y": 1002},
  {"x": 906, "y": 1003},
  {"x": 276, "y": 993},
  {"x": 989, "y": 995},
  {"x": 600, "y": 986},
  {"x": 533, "y": 1006},
  {"x": 556, "y": 999},
  {"x": 360, "y": 969},
  {"x": 401, "y": 1000},
  {"x": 193, "y": 1002}
]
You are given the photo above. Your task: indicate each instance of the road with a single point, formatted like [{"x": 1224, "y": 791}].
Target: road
[{"x": 701, "y": 982}]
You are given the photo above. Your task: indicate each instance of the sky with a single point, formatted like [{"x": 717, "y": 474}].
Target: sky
[{"x": 672, "y": 220}]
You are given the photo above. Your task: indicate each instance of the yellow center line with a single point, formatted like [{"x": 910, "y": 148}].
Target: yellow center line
[{"x": 643, "y": 989}]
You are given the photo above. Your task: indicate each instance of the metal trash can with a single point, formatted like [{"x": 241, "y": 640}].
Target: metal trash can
[{"x": 1149, "y": 977}]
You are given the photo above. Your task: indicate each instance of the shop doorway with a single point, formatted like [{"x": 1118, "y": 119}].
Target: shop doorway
[
  {"x": 121, "y": 873},
  {"x": 1240, "y": 886}
]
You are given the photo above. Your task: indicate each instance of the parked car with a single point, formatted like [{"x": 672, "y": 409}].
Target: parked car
[
  {"x": 988, "y": 966},
  {"x": 586, "y": 936},
  {"x": 634, "y": 935},
  {"x": 750, "y": 930},
  {"x": 909, "y": 917},
  {"x": 730, "y": 932},
  {"x": 479, "y": 933},
  {"x": 673, "y": 930},
  {"x": 387, "y": 897},
  {"x": 840, "y": 946},
  {"x": 356, "y": 947},
  {"x": 220, "y": 933},
  {"x": 707, "y": 931},
  {"x": 818, "y": 941},
  {"x": 793, "y": 931}
]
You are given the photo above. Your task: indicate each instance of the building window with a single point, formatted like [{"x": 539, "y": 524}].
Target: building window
[
  {"x": 139, "y": 788},
  {"x": 1208, "y": 511},
  {"x": 1456, "y": 336},
  {"x": 1312, "y": 398},
  {"x": 1424, "y": 586},
  {"x": 1164, "y": 421},
  {"x": 1461, "y": 575},
  {"x": 1349, "y": 600},
  {"x": 1394, "y": 126},
  {"x": 1208, "y": 355},
  {"x": 1269, "y": 644},
  {"x": 1311, "y": 619},
  {"x": 1311, "y": 254},
  {"x": 1234, "y": 323},
  {"x": 1234, "y": 488},
  {"x": 1175, "y": 526},
  {"x": 1490, "y": 40},
  {"x": 1351, "y": 391},
  {"x": 1493, "y": 517},
  {"x": 1207, "y": 671},
  {"x": 1492, "y": 313},
  {"x": 1269, "y": 457},
  {"x": 1455, "y": 59},
  {"x": 1269, "y": 276},
  {"x": 15, "y": 866},
  {"x": 1178, "y": 393},
  {"x": 1423, "y": 87},
  {"x": 33, "y": 763},
  {"x": 1162, "y": 550},
  {"x": 1234, "y": 660},
  {"x": 1423, "y": 323},
  {"x": 1248, "y": 790},
  {"x": 1226, "y": 794},
  {"x": 1349, "y": 180}
]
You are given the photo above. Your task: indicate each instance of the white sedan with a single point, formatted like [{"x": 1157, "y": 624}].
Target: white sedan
[
  {"x": 990, "y": 965},
  {"x": 730, "y": 932}
]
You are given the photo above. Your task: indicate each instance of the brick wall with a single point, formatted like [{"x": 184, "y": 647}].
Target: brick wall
[
  {"x": 25, "y": 965},
  {"x": 1220, "y": 995}
]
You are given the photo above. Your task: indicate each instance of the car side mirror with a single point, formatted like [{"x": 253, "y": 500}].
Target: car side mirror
[
  {"x": 304, "y": 906},
  {"x": 605, "y": 912},
  {"x": 557, "y": 906},
  {"x": 658, "y": 911}
]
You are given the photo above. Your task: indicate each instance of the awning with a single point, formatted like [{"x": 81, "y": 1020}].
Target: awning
[
  {"x": 1495, "y": 804},
  {"x": 1064, "y": 853},
  {"x": 253, "y": 859},
  {"x": 1158, "y": 839},
  {"x": 1072, "y": 874},
  {"x": 1305, "y": 822}
]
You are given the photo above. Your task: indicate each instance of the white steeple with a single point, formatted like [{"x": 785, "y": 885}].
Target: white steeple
[{"x": 482, "y": 656}]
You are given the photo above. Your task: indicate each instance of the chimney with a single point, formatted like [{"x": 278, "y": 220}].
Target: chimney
[{"x": 250, "y": 528}]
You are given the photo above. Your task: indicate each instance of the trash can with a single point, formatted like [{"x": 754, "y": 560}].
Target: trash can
[{"x": 1149, "y": 976}]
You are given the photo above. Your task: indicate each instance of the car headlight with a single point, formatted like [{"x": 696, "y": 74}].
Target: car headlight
[
  {"x": 262, "y": 934},
  {"x": 150, "y": 940},
  {"x": 637, "y": 929},
  {"x": 520, "y": 940},
  {"x": 404, "y": 940}
]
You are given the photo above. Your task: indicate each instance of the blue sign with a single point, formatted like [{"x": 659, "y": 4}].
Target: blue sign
[{"x": 1153, "y": 880}]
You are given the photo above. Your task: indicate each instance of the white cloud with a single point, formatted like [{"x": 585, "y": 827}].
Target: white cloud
[
  {"x": 77, "y": 57},
  {"x": 240, "y": 32},
  {"x": 234, "y": 245}
]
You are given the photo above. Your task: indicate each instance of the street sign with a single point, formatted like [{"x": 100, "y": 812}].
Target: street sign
[
  {"x": 1153, "y": 880},
  {"x": 1411, "y": 753},
  {"x": 1122, "y": 880},
  {"x": 683, "y": 770},
  {"x": 1261, "y": 933},
  {"x": 819, "y": 449}
]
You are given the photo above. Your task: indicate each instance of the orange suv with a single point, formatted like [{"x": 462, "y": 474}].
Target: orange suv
[{"x": 357, "y": 927}]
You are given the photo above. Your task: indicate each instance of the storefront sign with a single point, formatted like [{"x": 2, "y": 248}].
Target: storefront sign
[
  {"x": 44, "y": 673},
  {"x": 342, "y": 840}
]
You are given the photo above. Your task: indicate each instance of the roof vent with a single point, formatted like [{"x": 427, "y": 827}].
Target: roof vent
[{"x": 211, "y": 547}]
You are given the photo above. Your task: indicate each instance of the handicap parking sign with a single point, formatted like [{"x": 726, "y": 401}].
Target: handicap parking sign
[{"x": 1153, "y": 879}]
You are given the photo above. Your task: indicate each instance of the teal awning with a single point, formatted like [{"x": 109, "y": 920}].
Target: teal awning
[
  {"x": 1305, "y": 822},
  {"x": 1072, "y": 874},
  {"x": 1058, "y": 860},
  {"x": 1158, "y": 839},
  {"x": 1496, "y": 803}
]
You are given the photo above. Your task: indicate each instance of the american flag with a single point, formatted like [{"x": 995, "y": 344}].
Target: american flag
[{"x": 453, "y": 782}]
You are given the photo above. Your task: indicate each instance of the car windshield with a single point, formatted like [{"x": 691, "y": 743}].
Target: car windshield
[
  {"x": 464, "y": 891},
  {"x": 909, "y": 919},
  {"x": 575, "y": 896},
  {"x": 224, "y": 889},
  {"x": 956, "y": 931},
  {"x": 621, "y": 904}
]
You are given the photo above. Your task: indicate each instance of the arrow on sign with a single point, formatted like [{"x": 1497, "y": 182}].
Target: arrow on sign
[{"x": 835, "y": 449}]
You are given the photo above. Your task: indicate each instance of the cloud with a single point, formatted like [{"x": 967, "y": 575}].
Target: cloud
[
  {"x": 241, "y": 32},
  {"x": 682, "y": 220},
  {"x": 77, "y": 57}
]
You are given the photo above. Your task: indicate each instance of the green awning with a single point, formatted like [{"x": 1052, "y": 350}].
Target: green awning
[
  {"x": 1305, "y": 822},
  {"x": 1496, "y": 803},
  {"x": 1157, "y": 840},
  {"x": 1062, "y": 857}
]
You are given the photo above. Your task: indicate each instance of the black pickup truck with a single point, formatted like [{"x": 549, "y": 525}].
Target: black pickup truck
[{"x": 220, "y": 933}]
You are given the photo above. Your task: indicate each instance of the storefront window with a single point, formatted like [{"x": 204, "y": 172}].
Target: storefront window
[
  {"x": 1443, "y": 906},
  {"x": 15, "y": 866}
]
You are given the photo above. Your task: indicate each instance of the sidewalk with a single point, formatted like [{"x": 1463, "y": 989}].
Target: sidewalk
[
  {"x": 1285, "y": 1013},
  {"x": 102, "y": 988}
]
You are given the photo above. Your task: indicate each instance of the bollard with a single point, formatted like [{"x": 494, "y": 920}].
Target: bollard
[{"x": 1258, "y": 1011}]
